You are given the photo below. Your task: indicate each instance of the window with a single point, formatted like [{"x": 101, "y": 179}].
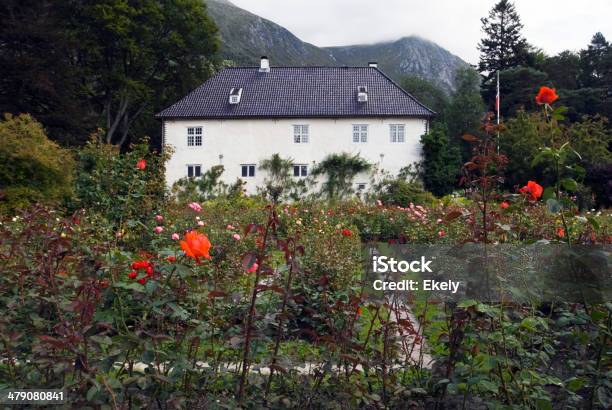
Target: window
[
  {"x": 360, "y": 133},
  {"x": 194, "y": 136},
  {"x": 397, "y": 132},
  {"x": 300, "y": 134},
  {"x": 194, "y": 171},
  {"x": 361, "y": 186},
  {"x": 248, "y": 170},
  {"x": 300, "y": 170}
]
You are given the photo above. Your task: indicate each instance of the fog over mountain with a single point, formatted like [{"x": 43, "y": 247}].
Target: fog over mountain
[{"x": 245, "y": 37}]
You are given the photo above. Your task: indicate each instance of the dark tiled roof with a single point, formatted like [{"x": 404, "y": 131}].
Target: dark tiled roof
[{"x": 290, "y": 92}]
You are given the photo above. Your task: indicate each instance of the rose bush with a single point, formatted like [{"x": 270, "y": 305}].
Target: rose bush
[{"x": 134, "y": 299}]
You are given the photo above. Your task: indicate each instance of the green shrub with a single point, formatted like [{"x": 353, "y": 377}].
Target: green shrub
[
  {"x": 401, "y": 193},
  {"x": 32, "y": 167},
  {"x": 110, "y": 184},
  {"x": 208, "y": 186},
  {"x": 339, "y": 171}
]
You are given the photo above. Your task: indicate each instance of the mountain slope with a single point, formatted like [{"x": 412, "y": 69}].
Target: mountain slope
[
  {"x": 245, "y": 37},
  {"x": 406, "y": 56}
]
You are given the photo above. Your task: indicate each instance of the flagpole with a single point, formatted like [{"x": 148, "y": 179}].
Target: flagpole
[{"x": 497, "y": 103}]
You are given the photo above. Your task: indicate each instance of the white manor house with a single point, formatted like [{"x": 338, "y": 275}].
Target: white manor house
[{"x": 244, "y": 115}]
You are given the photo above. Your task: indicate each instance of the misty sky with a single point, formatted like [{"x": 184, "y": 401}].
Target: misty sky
[{"x": 553, "y": 25}]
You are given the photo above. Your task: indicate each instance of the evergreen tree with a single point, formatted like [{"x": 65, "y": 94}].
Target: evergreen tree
[
  {"x": 441, "y": 161},
  {"x": 427, "y": 93},
  {"x": 466, "y": 108},
  {"x": 504, "y": 46},
  {"x": 563, "y": 70},
  {"x": 595, "y": 62},
  {"x": 518, "y": 87}
]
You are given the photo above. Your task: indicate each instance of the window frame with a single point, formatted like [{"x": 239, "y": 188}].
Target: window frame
[
  {"x": 194, "y": 167},
  {"x": 394, "y": 135},
  {"x": 249, "y": 168},
  {"x": 360, "y": 131},
  {"x": 194, "y": 138},
  {"x": 301, "y": 133},
  {"x": 302, "y": 170}
]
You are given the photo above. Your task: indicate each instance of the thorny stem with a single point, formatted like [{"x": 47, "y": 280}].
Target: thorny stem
[
  {"x": 279, "y": 334},
  {"x": 250, "y": 317}
]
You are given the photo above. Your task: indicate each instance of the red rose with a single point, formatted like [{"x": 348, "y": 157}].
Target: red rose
[
  {"x": 533, "y": 189},
  {"x": 546, "y": 95},
  {"x": 143, "y": 264},
  {"x": 141, "y": 164},
  {"x": 347, "y": 232},
  {"x": 196, "y": 245},
  {"x": 132, "y": 275},
  {"x": 142, "y": 281},
  {"x": 560, "y": 232},
  {"x": 504, "y": 205},
  {"x": 171, "y": 258}
]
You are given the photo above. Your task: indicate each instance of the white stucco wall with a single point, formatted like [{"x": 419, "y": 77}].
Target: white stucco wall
[{"x": 251, "y": 141}]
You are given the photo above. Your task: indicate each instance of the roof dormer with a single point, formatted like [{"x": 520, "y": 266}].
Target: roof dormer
[
  {"x": 362, "y": 94},
  {"x": 235, "y": 94}
]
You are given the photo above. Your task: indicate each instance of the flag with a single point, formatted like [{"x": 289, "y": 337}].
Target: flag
[{"x": 497, "y": 98}]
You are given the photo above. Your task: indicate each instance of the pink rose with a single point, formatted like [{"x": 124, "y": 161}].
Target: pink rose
[
  {"x": 195, "y": 206},
  {"x": 159, "y": 229},
  {"x": 230, "y": 227},
  {"x": 200, "y": 223},
  {"x": 441, "y": 233},
  {"x": 159, "y": 218},
  {"x": 253, "y": 267},
  {"x": 236, "y": 236},
  {"x": 175, "y": 237}
]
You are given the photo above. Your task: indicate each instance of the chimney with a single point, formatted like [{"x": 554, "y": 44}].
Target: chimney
[
  {"x": 264, "y": 65},
  {"x": 373, "y": 64}
]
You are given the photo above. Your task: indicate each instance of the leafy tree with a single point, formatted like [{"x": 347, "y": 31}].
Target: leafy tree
[
  {"x": 520, "y": 141},
  {"x": 109, "y": 63},
  {"x": 504, "y": 46},
  {"x": 152, "y": 50},
  {"x": 427, "y": 93},
  {"x": 466, "y": 108},
  {"x": 339, "y": 170},
  {"x": 524, "y": 135},
  {"x": 592, "y": 139},
  {"x": 38, "y": 74},
  {"x": 32, "y": 168},
  {"x": 441, "y": 161}
]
